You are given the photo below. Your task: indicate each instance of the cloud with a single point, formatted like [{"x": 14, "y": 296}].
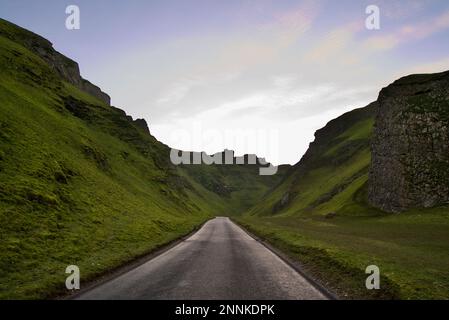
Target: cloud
[
  {"x": 299, "y": 18},
  {"x": 408, "y": 33},
  {"x": 336, "y": 42},
  {"x": 396, "y": 9},
  {"x": 324, "y": 99},
  {"x": 277, "y": 100},
  {"x": 228, "y": 65},
  {"x": 289, "y": 100},
  {"x": 432, "y": 67},
  {"x": 179, "y": 91},
  {"x": 285, "y": 81},
  {"x": 294, "y": 69}
]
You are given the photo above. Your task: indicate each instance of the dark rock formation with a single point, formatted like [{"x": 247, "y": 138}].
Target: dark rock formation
[
  {"x": 410, "y": 144},
  {"x": 93, "y": 90},
  {"x": 65, "y": 67},
  {"x": 283, "y": 203},
  {"x": 141, "y": 123}
]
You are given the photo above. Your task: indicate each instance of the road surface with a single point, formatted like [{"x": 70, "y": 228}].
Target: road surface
[{"x": 220, "y": 261}]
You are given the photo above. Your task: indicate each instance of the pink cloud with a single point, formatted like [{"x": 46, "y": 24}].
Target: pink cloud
[{"x": 408, "y": 33}]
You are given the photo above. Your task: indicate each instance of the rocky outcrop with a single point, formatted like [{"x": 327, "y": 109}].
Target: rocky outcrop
[
  {"x": 410, "y": 144},
  {"x": 141, "y": 123},
  {"x": 65, "y": 67},
  {"x": 282, "y": 203},
  {"x": 93, "y": 90}
]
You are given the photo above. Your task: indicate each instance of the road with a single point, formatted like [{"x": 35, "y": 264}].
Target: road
[{"x": 220, "y": 261}]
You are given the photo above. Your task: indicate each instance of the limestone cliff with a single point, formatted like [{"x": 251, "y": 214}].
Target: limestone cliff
[{"x": 410, "y": 144}]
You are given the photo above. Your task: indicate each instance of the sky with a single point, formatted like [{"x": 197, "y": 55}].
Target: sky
[{"x": 255, "y": 76}]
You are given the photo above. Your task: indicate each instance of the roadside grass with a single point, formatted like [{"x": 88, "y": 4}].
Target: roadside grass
[{"x": 411, "y": 249}]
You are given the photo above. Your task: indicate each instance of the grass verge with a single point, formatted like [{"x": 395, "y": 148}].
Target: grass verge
[{"x": 411, "y": 250}]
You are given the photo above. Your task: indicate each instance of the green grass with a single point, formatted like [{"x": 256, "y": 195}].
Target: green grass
[
  {"x": 327, "y": 180},
  {"x": 237, "y": 187},
  {"x": 361, "y": 131},
  {"x": 411, "y": 250}
]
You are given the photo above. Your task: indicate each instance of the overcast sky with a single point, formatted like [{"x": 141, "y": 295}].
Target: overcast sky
[{"x": 256, "y": 76}]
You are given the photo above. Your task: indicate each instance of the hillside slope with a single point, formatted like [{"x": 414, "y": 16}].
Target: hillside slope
[
  {"x": 83, "y": 183},
  {"x": 320, "y": 214},
  {"x": 334, "y": 167}
]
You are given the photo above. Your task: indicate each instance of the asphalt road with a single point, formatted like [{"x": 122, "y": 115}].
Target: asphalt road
[{"x": 220, "y": 261}]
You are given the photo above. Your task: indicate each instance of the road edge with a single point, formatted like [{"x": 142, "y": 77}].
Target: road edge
[
  {"x": 293, "y": 263},
  {"x": 116, "y": 272}
]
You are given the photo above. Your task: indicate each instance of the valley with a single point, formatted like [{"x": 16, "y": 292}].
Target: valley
[{"x": 83, "y": 183}]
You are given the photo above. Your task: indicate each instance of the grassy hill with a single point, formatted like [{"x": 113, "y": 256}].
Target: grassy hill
[
  {"x": 83, "y": 183},
  {"x": 335, "y": 166},
  {"x": 320, "y": 216}
]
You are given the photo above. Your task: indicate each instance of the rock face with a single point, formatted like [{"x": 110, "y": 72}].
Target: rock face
[
  {"x": 410, "y": 144},
  {"x": 65, "y": 67},
  {"x": 141, "y": 123}
]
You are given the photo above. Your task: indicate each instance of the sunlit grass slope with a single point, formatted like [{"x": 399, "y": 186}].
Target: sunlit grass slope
[
  {"x": 329, "y": 175},
  {"x": 80, "y": 183}
]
